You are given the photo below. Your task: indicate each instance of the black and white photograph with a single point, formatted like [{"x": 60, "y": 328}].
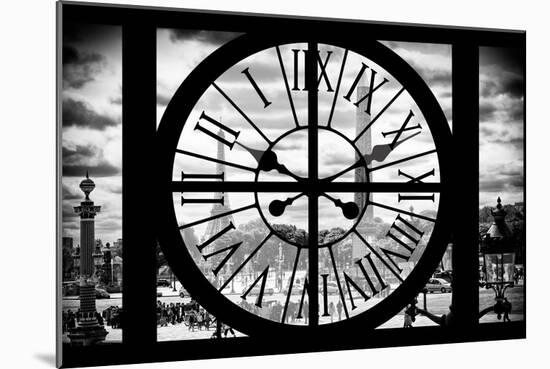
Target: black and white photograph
[
  {"x": 280, "y": 188},
  {"x": 303, "y": 184},
  {"x": 91, "y": 181}
]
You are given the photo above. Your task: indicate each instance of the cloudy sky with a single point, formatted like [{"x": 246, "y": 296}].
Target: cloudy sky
[
  {"x": 334, "y": 153},
  {"x": 501, "y": 137},
  {"x": 91, "y": 125},
  {"x": 92, "y": 118}
]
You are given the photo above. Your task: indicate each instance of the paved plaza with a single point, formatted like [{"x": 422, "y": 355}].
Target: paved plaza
[{"x": 436, "y": 303}]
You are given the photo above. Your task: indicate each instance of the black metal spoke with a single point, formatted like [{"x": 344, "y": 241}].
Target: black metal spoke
[
  {"x": 291, "y": 283},
  {"x": 337, "y": 88},
  {"x": 245, "y": 261},
  {"x": 402, "y": 160},
  {"x": 214, "y": 160},
  {"x": 242, "y": 113},
  {"x": 217, "y": 216},
  {"x": 313, "y": 169},
  {"x": 355, "y": 165},
  {"x": 401, "y": 211},
  {"x": 267, "y": 160},
  {"x": 299, "y": 187},
  {"x": 289, "y": 94},
  {"x": 379, "y": 114},
  {"x": 337, "y": 277}
]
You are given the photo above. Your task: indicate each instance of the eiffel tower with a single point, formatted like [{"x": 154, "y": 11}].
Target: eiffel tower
[{"x": 216, "y": 225}]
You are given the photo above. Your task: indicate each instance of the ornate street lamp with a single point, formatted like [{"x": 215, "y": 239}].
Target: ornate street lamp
[
  {"x": 499, "y": 256},
  {"x": 498, "y": 252}
]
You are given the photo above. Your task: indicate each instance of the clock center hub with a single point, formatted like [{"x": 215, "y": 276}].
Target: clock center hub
[{"x": 338, "y": 212}]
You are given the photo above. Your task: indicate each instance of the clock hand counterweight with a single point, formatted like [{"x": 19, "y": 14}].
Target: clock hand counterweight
[
  {"x": 350, "y": 210},
  {"x": 267, "y": 160},
  {"x": 381, "y": 152},
  {"x": 277, "y": 207}
]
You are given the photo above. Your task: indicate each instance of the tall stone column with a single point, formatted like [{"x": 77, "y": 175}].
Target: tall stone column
[
  {"x": 88, "y": 330},
  {"x": 364, "y": 144}
]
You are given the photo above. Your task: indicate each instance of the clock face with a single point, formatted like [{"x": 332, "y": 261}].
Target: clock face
[{"x": 303, "y": 184}]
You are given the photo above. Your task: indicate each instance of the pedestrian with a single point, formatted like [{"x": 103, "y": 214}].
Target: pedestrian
[
  {"x": 331, "y": 311},
  {"x": 192, "y": 321},
  {"x": 407, "y": 319},
  {"x": 291, "y": 309},
  {"x": 99, "y": 318},
  {"x": 339, "y": 309},
  {"x": 410, "y": 314},
  {"x": 200, "y": 320},
  {"x": 207, "y": 320},
  {"x": 228, "y": 329}
]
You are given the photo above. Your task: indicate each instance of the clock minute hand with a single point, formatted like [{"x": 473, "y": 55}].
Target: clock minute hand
[
  {"x": 267, "y": 160},
  {"x": 381, "y": 152},
  {"x": 378, "y": 153}
]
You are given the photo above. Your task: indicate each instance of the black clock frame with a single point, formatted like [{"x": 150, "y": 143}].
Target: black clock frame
[
  {"x": 139, "y": 26},
  {"x": 169, "y": 234}
]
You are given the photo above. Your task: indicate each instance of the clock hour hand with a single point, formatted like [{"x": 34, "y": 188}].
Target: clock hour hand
[
  {"x": 350, "y": 210},
  {"x": 381, "y": 152},
  {"x": 277, "y": 207},
  {"x": 378, "y": 153},
  {"x": 267, "y": 161}
]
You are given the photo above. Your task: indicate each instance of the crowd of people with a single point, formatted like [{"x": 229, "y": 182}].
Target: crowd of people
[
  {"x": 193, "y": 316},
  {"x": 111, "y": 316}
]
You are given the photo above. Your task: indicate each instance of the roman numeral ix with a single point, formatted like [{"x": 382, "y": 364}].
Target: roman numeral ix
[{"x": 322, "y": 73}]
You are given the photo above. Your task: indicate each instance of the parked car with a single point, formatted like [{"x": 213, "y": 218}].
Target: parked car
[
  {"x": 297, "y": 289},
  {"x": 438, "y": 285},
  {"x": 256, "y": 291},
  {"x": 447, "y": 275},
  {"x": 163, "y": 283},
  {"x": 73, "y": 289},
  {"x": 100, "y": 293},
  {"x": 183, "y": 292},
  {"x": 332, "y": 287}
]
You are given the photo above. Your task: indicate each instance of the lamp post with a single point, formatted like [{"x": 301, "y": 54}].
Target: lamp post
[
  {"x": 498, "y": 252},
  {"x": 499, "y": 258}
]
